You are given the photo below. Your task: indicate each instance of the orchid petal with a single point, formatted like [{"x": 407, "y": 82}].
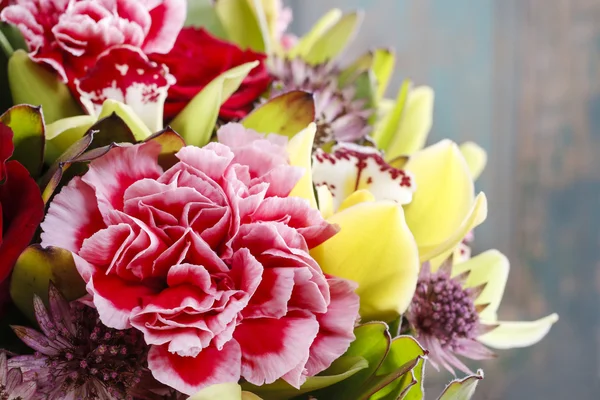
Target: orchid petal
[
  {"x": 360, "y": 196},
  {"x": 300, "y": 149},
  {"x": 443, "y": 209},
  {"x": 518, "y": 334},
  {"x": 376, "y": 249},
  {"x": 325, "y": 199},
  {"x": 319, "y": 29},
  {"x": 224, "y": 391},
  {"x": 475, "y": 156},
  {"x": 489, "y": 268}
]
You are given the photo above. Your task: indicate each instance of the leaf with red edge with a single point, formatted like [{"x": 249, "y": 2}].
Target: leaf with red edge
[
  {"x": 462, "y": 389},
  {"x": 286, "y": 114},
  {"x": 171, "y": 143},
  {"x": 34, "y": 270},
  {"x": 27, "y": 124},
  {"x": 100, "y": 138}
]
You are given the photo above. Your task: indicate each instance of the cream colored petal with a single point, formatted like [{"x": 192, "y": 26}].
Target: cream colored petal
[
  {"x": 443, "y": 209},
  {"x": 490, "y": 268},
  {"x": 475, "y": 156},
  {"x": 518, "y": 334},
  {"x": 374, "y": 248},
  {"x": 325, "y": 200},
  {"x": 300, "y": 150}
]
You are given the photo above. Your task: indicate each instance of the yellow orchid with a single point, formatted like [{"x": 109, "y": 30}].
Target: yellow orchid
[
  {"x": 224, "y": 391},
  {"x": 474, "y": 289},
  {"x": 374, "y": 246}
]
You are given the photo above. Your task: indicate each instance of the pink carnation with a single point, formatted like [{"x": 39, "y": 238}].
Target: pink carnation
[
  {"x": 209, "y": 260},
  {"x": 69, "y": 35}
]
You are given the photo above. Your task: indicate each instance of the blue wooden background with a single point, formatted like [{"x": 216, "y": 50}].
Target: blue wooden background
[{"x": 521, "y": 78}]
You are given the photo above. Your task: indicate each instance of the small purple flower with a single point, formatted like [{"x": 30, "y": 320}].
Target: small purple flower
[
  {"x": 340, "y": 116},
  {"x": 12, "y": 384},
  {"x": 77, "y": 357},
  {"x": 445, "y": 319}
]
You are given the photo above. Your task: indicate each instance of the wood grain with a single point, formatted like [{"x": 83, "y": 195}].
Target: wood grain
[{"x": 522, "y": 78}]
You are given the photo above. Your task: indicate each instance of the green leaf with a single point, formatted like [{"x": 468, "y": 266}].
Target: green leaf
[
  {"x": 462, "y": 389},
  {"x": 385, "y": 131},
  {"x": 360, "y": 65},
  {"x": 35, "y": 84},
  {"x": 202, "y": 13},
  {"x": 366, "y": 89},
  {"x": 27, "y": 124},
  {"x": 135, "y": 124},
  {"x": 98, "y": 140},
  {"x": 335, "y": 39},
  {"x": 305, "y": 44},
  {"x": 341, "y": 369},
  {"x": 170, "y": 143},
  {"x": 381, "y": 382},
  {"x": 34, "y": 270},
  {"x": 61, "y": 134},
  {"x": 14, "y": 36},
  {"x": 384, "y": 61},
  {"x": 285, "y": 115},
  {"x": 372, "y": 342},
  {"x": 415, "y": 124},
  {"x": 196, "y": 122},
  {"x": 240, "y": 23},
  {"x": 404, "y": 350}
]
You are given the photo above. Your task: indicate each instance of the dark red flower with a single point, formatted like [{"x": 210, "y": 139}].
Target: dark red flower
[
  {"x": 21, "y": 210},
  {"x": 197, "y": 58}
]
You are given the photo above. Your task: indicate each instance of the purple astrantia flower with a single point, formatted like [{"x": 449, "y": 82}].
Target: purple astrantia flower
[
  {"x": 12, "y": 384},
  {"x": 339, "y": 115},
  {"x": 77, "y": 357},
  {"x": 445, "y": 319}
]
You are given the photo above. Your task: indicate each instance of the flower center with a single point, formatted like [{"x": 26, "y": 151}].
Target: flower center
[{"x": 442, "y": 308}]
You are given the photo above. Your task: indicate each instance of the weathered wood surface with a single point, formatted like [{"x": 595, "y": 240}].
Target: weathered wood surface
[{"x": 522, "y": 78}]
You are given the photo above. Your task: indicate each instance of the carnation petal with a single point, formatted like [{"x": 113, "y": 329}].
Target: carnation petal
[
  {"x": 167, "y": 20},
  {"x": 113, "y": 173},
  {"x": 191, "y": 374},
  {"x": 283, "y": 344},
  {"x": 114, "y": 298},
  {"x": 72, "y": 217}
]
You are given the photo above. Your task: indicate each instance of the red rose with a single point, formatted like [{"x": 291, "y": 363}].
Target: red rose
[
  {"x": 21, "y": 210},
  {"x": 197, "y": 58}
]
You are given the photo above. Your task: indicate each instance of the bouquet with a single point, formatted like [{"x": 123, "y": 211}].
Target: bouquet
[{"x": 197, "y": 204}]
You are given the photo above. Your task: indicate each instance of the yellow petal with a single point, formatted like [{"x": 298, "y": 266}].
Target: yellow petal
[
  {"x": 222, "y": 391},
  {"x": 325, "y": 201},
  {"x": 491, "y": 268},
  {"x": 475, "y": 156},
  {"x": 518, "y": 334},
  {"x": 300, "y": 151},
  {"x": 134, "y": 122},
  {"x": 250, "y": 396},
  {"x": 416, "y": 123},
  {"x": 442, "y": 210},
  {"x": 376, "y": 249},
  {"x": 360, "y": 196}
]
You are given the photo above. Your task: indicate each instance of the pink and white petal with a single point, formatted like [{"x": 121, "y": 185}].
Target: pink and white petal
[
  {"x": 127, "y": 75},
  {"x": 336, "y": 326},
  {"x": 272, "y": 296},
  {"x": 213, "y": 159},
  {"x": 296, "y": 213},
  {"x": 273, "y": 347},
  {"x": 167, "y": 17},
  {"x": 104, "y": 247},
  {"x": 351, "y": 167},
  {"x": 191, "y": 274},
  {"x": 111, "y": 174},
  {"x": 190, "y": 374},
  {"x": 509, "y": 335},
  {"x": 72, "y": 217},
  {"x": 114, "y": 299}
]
